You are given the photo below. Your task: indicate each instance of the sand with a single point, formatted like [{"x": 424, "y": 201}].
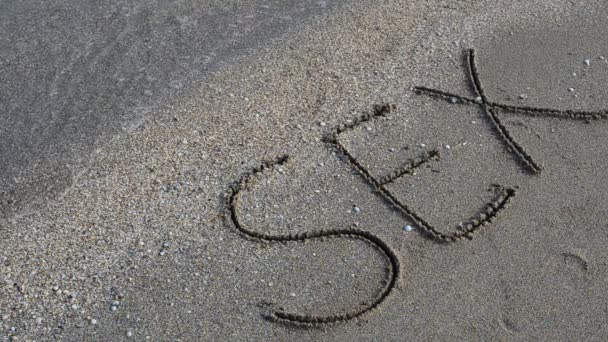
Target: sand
[
  {"x": 73, "y": 75},
  {"x": 142, "y": 245}
]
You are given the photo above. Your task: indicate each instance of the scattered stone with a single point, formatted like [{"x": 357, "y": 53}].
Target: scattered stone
[
  {"x": 392, "y": 149},
  {"x": 587, "y": 62},
  {"x": 408, "y": 228},
  {"x": 447, "y": 147},
  {"x": 570, "y": 89},
  {"x": 356, "y": 209},
  {"x": 523, "y": 96},
  {"x": 453, "y": 100},
  {"x": 322, "y": 124},
  {"x": 574, "y": 74},
  {"x": 93, "y": 321},
  {"x": 129, "y": 333},
  {"x": 478, "y": 99}
]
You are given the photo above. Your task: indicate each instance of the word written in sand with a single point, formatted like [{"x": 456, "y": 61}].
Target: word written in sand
[
  {"x": 483, "y": 218},
  {"x": 379, "y": 185}
]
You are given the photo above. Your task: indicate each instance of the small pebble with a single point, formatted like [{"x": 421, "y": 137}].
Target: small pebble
[
  {"x": 114, "y": 308},
  {"x": 323, "y": 124},
  {"x": 129, "y": 333},
  {"x": 447, "y": 147},
  {"x": 391, "y": 149},
  {"x": 570, "y": 89},
  {"x": 369, "y": 128},
  {"x": 574, "y": 74},
  {"x": 356, "y": 209},
  {"x": 453, "y": 100},
  {"x": 587, "y": 62},
  {"x": 93, "y": 321},
  {"x": 478, "y": 99},
  {"x": 602, "y": 57},
  {"x": 523, "y": 96},
  {"x": 408, "y": 228}
]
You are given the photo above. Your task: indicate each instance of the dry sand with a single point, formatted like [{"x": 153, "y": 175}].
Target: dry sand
[{"x": 140, "y": 246}]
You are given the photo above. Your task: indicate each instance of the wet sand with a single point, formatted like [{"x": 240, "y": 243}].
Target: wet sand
[{"x": 75, "y": 74}]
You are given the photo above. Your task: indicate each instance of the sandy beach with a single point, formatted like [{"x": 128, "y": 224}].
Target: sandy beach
[{"x": 389, "y": 171}]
